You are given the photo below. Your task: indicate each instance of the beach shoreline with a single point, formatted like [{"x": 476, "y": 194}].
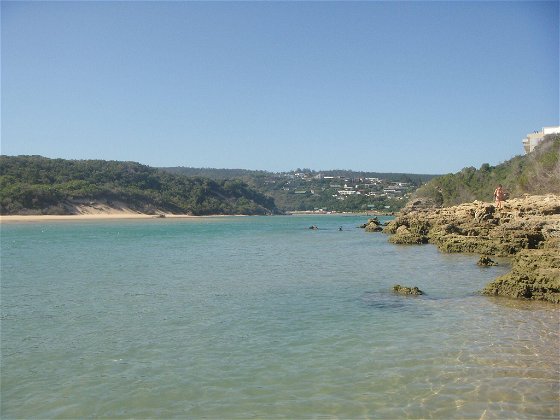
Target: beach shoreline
[
  {"x": 7, "y": 219},
  {"x": 132, "y": 215}
]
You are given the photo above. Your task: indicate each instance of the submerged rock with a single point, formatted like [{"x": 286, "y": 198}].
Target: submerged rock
[
  {"x": 404, "y": 290},
  {"x": 485, "y": 261}
]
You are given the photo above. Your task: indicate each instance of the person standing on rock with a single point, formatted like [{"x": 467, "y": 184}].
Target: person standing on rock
[{"x": 500, "y": 196}]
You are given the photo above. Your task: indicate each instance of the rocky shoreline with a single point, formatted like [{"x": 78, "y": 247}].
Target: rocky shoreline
[{"x": 527, "y": 229}]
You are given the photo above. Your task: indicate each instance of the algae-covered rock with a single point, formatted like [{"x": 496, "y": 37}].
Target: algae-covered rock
[
  {"x": 521, "y": 228},
  {"x": 484, "y": 213},
  {"x": 485, "y": 261},
  {"x": 404, "y": 236},
  {"x": 535, "y": 275},
  {"x": 553, "y": 242},
  {"x": 404, "y": 290},
  {"x": 373, "y": 225},
  {"x": 391, "y": 227},
  {"x": 475, "y": 245}
]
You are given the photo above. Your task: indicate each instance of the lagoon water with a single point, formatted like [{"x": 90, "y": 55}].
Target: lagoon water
[{"x": 260, "y": 317}]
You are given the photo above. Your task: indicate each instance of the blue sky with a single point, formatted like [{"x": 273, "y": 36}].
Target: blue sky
[{"x": 417, "y": 87}]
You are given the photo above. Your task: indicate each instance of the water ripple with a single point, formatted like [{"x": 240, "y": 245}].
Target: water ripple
[{"x": 260, "y": 318}]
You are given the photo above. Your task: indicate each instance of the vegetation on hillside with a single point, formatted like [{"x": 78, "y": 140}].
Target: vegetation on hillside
[
  {"x": 38, "y": 185},
  {"x": 535, "y": 173},
  {"x": 305, "y": 189}
]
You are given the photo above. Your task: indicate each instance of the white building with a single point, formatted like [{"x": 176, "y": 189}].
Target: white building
[{"x": 533, "y": 139}]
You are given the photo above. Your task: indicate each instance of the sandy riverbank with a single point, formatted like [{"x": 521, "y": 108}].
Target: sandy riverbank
[
  {"x": 84, "y": 217},
  {"x": 96, "y": 211}
]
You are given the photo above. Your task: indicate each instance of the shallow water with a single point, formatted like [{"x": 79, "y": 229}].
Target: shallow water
[{"x": 261, "y": 317}]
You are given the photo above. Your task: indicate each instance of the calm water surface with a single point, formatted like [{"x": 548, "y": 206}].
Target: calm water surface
[{"x": 261, "y": 318}]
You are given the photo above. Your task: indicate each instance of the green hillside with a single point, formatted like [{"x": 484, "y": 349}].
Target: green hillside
[
  {"x": 38, "y": 185},
  {"x": 305, "y": 189},
  {"x": 535, "y": 173}
]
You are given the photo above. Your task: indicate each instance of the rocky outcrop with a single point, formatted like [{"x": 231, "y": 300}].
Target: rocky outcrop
[
  {"x": 404, "y": 235},
  {"x": 526, "y": 228},
  {"x": 535, "y": 275},
  {"x": 404, "y": 290},
  {"x": 372, "y": 225},
  {"x": 485, "y": 261}
]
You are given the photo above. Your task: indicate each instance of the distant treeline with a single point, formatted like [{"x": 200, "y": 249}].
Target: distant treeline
[
  {"x": 319, "y": 194},
  {"x": 535, "y": 173},
  {"x": 38, "y": 185},
  {"x": 214, "y": 173}
]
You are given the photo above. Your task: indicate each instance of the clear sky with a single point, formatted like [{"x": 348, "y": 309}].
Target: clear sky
[{"x": 417, "y": 87}]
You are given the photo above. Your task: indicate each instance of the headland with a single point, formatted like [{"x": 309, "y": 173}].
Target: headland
[{"x": 527, "y": 229}]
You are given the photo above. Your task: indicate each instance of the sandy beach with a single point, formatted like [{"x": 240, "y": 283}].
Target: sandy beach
[
  {"x": 84, "y": 217},
  {"x": 96, "y": 211}
]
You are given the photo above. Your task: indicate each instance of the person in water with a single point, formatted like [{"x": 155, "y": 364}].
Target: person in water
[{"x": 500, "y": 196}]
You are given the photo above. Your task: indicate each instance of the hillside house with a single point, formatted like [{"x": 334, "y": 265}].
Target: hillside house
[{"x": 532, "y": 140}]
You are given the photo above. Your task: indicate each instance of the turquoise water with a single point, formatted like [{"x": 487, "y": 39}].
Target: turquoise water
[{"x": 260, "y": 317}]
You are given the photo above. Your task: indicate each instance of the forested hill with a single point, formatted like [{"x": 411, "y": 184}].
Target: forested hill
[
  {"x": 306, "y": 189},
  {"x": 535, "y": 173},
  {"x": 253, "y": 177},
  {"x": 38, "y": 185}
]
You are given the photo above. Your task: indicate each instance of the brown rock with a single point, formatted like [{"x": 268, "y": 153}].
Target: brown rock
[
  {"x": 485, "y": 261},
  {"x": 535, "y": 275},
  {"x": 373, "y": 225},
  {"x": 525, "y": 227},
  {"x": 404, "y": 290}
]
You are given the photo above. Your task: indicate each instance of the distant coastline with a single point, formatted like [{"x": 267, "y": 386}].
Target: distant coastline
[
  {"x": 76, "y": 217},
  {"x": 19, "y": 218},
  {"x": 100, "y": 216},
  {"x": 338, "y": 213},
  {"x": 100, "y": 211}
]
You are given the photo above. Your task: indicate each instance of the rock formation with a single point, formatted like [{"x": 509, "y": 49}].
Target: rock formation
[
  {"x": 526, "y": 228},
  {"x": 535, "y": 275},
  {"x": 485, "y": 261},
  {"x": 404, "y": 290},
  {"x": 373, "y": 225}
]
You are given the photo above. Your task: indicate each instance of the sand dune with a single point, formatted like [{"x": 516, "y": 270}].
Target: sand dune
[{"x": 92, "y": 211}]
